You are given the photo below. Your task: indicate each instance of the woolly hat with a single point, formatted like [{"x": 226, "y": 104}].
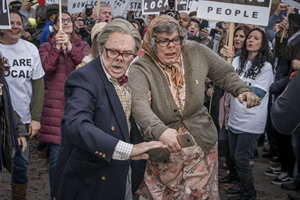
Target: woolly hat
[
  {"x": 295, "y": 19},
  {"x": 97, "y": 29},
  {"x": 52, "y": 9}
]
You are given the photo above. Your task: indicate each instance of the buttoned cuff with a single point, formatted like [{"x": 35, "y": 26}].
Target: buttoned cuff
[{"x": 122, "y": 151}]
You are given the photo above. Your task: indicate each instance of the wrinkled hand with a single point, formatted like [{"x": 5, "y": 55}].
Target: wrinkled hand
[
  {"x": 26, "y": 5},
  {"x": 149, "y": 97},
  {"x": 204, "y": 34},
  {"x": 169, "y": 138},
  {"x": 207, "y": 80},
  {"x": 226, "y": 53},
  {"x": 62, "y": 41},
  {"x": 281, "y": 7},
  {"x": 139, "y": 150},
  {"x": 34, "y": 128},
  {"x": 210, "y": 92},
  {"x": 296, "y": 64},
  {"x": 251, "y": 98},
  {"x": 79, "y": 24},
  {"x": 22, "y": 140},
  {"x": 284, "y": 24},
  {"x": 130, "y": 14},
  {"x": 27, "y": 35},
  {"x": 1, "y": 91}
]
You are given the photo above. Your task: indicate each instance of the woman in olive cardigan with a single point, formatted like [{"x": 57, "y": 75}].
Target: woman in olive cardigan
[{"x": 175, "y": 71}]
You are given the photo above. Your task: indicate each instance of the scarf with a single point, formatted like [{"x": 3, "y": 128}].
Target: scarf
[{"x": 177, "y": 75}]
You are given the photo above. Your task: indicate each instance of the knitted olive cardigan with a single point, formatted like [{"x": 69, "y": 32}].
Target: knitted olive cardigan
[{"x": 199, "y": 62}]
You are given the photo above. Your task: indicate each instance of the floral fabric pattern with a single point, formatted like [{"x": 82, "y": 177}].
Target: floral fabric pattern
[{"x": 189, "y": 174}]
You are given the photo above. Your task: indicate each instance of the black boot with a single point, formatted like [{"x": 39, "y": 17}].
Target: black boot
[
  {"x": 248, "y": 191},
  {"x": 232, "y": 176},
  {"x": 235, "y": 189}
]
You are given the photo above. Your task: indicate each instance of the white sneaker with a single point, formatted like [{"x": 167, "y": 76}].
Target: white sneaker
[{"x": 284, "y": 177}]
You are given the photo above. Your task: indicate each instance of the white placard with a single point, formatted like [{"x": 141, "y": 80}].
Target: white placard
[
  {"x": 192, "y": 6},
  {"x": 4, "y": 15},
  {"x": 134, "y": 5},
  {"x": 154, "y": 6},
  {"x": 119, "y": 7},
  {"x": 254, "y": 12},
  {"x": 294, "y": 3},
  {"x": 48, "y": 2},
  {"x": 76, "y": 6}
]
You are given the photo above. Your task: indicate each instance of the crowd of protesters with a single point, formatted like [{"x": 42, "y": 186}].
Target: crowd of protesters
[{"x": 66, "y": 84}]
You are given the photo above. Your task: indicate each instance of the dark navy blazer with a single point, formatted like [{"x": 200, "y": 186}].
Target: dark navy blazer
[{"x": 93, "y": 123}]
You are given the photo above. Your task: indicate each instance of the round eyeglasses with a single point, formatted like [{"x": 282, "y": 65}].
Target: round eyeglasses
[
  {"x": 68, "y": 20},
  {"x": 163, "y": 42},
  {"x": 111, "y": 53}
]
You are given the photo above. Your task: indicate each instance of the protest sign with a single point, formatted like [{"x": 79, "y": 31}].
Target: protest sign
[
  {"x": 134, "y": 5},
  {"x": 239, "y": 11},
  {"x": 155, "y": 6},
  {"x": 294, "y": 3},
  {"x": 192, "y": 6},
  {"x": 120, "y": 7},
  {"x": 51, "y": 2},
  {"x": 4, "y": 15},
  {"x": 76, "y": 6}
]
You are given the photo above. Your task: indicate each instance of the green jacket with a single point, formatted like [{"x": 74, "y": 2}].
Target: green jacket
[{"x": 199, "y": 62}]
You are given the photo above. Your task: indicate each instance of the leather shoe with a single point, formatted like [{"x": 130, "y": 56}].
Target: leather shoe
[
  {"x": 229, "y": 178},
  {"x": 235, "y": 189}
]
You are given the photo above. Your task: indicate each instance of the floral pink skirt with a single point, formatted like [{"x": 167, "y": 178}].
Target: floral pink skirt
[{"x": 189, "y": 175}]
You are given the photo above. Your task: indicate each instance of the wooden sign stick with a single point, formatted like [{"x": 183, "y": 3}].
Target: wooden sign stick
[
  {"x": 60, "y": 21},
  {"x": 230, "y": 42},
  {"x": 98, "y": 9},
  {"x": 284, "y": 31}
]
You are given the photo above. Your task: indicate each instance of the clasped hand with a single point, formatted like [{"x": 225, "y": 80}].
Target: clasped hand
[
  {"x": 63, "y": 41},
  {"x": 251, "y": 98},
  {"x": 169, "y": 138}
]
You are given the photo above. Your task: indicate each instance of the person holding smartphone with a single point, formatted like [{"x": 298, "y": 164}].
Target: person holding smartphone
[{"x": 174, "y": 70}]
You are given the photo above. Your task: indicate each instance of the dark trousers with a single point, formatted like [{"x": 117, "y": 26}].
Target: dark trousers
[
  {"x": 224, "y": 147},
  {"x": 286, "y": 152},
  {"x": 271, "y": 132},
  {"x": 241, "y": 147}
]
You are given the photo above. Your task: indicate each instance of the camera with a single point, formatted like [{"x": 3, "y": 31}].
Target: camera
[
  {"x": 172, "y": 12},
  {"x": 89, "y": 22}
]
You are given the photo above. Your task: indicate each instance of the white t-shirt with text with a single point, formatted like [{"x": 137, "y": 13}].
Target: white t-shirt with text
[
  {"x": 25, "y": 65},
  {"x": 251, "y": 120}
]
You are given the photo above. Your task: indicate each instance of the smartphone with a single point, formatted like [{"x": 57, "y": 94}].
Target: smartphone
[
  {"x": 213, "y": 32},
  {"x": 185, "y": 140},
  {"x": 204, "y": 24}
]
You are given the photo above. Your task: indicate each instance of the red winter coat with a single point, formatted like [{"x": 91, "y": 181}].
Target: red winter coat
[{"x": 57, "y": 65}]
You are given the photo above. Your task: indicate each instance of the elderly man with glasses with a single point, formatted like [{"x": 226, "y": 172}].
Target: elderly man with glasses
[{"x": 101, "y": 144}]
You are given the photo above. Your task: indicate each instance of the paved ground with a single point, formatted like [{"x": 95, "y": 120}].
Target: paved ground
[{"x": 39, "y": 182}]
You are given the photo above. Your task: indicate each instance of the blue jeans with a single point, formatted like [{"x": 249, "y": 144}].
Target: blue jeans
[
  {"x": 21, "y": 163},
  {"x": 54, "y": 149},
  {"x": 296, "y": 147},
  {"x": 241, "y": 147}
]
